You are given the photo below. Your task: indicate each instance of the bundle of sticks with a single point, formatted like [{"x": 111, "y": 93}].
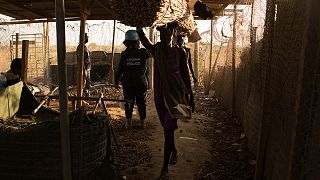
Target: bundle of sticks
[
  {"x": 150, "y": 13},
  {"x": 186, "y": 25}
]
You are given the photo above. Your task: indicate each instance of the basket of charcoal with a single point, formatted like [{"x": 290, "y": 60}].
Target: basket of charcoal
[
  {"x": 149, "y": 13},
  {"x": 30, "y": 147}
]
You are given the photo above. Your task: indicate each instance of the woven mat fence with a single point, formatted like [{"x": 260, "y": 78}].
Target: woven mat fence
[{"x": 33, "y": 150}]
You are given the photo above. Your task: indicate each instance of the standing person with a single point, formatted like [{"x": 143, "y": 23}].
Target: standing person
[
  {"x": 181, "y": 44},
  {"x": 184, "y": 61},
  {"x": 169, "y": 89},
  {"x": 133, "y": 69},
  {"x": 87, "y": 65},
  {"x": 13, "y": 75}
]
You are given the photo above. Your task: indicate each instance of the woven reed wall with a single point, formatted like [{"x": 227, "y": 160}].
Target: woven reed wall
[
  {"x": 249, "y": 95},
  {"x": 282, "y": 50},
  {"x": 278, "y": 90},
  {"x": 306, "y": 160}
]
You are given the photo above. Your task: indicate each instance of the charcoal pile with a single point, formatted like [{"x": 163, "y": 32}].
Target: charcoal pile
[
  {"x": 30, "y": 148},
  {"x": 149, "y": 13}
]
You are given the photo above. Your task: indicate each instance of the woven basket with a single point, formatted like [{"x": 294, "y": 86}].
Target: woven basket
[{"x": 34, "y": 152}]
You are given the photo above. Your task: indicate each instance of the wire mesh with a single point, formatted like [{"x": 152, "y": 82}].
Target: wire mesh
[{"x": 237, "y": 40}]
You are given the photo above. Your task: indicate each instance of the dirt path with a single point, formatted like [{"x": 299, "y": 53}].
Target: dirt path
[
  {"x": 211, "y": 146},
  {"x": 193, "y": 150},
  {"x": 205, "y": 152}
]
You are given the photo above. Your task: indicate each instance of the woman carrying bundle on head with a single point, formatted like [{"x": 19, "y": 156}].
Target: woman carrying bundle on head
[{"x": 170, "y": 91}]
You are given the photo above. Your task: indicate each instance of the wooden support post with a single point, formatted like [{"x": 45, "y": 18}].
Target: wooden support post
[
  {"x": 196, "y": 60},
  {"x": 216, "y": 61},
  {"x": 112, "y": 51},
  {"x": 151, "y": 61},
  {"x": 11, "y": 49},
  {"x": 211, "y": 48},
  {"x": 24, "y": 65},
  {"x": 17, "y": 45},
  {"x": 234, "y": 46},
  {"x": 36, "y": 21},
  {"x": 46, "y": 49},
  {"x": 81, "y": 55},
  {"x": 63, "y": 100}
]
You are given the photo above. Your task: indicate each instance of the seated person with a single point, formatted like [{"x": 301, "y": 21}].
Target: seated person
[{"x": 13, "y": 75}]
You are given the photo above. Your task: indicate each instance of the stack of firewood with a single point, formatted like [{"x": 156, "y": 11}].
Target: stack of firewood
[
  {"x": 150, "y": 13},
  {"x": 186, "y": 25}
]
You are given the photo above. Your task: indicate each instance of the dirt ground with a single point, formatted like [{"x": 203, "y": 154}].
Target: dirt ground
[{"x": 211, "y": 146}]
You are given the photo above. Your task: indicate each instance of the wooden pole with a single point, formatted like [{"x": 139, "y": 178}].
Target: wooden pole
[
  {"x": 11, "y": 48},
  {"x": 17, "y": 45},
  {"x": 63, "y": 100},
  {"x": 44, "y": 48},
  {"x": 234, "y": 46},
  {"x": 81, "y": 55},
  {"x": 72, "y": 98},
  {"x": 196, "y": 60},
  {"x": 47, "y": 50},
  {"x": 216, "y": 60},
  {"x": 25, "y": 53},
  {"x": 151, "y": 61},
  {"x": 36, "y": 21},
  {"x": 211, "y": 47},
  {"x": 112, "y": 50}
]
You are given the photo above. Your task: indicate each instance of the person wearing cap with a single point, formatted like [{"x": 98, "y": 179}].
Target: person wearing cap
[
  {"x": 87, "y": 65},
  {"x": 170, "y": 90},
  {"x": 132, "y": 69}
]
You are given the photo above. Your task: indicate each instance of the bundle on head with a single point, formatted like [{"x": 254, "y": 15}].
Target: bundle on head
[
  {"x": 148, "y": 13},
  {"x": 186, "y": 25}
]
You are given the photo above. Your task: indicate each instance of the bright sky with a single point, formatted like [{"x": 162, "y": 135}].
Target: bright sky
[{"x": 100, "y": 32}]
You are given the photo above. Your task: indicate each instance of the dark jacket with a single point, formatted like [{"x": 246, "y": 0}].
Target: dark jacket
[
  {"x": 86, "y": 57},
  {"x": 132, "y": 67}
]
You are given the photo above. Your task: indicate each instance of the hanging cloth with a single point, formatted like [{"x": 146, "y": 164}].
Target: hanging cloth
[{"x": 173, "y": 87}]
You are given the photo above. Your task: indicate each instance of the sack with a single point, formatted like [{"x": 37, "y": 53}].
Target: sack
[
  {"x": 194, "y": 36},
  {"x": 202, "y": 10}
]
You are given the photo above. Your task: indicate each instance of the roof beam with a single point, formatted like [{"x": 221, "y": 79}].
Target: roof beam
[
  {"x": 21, "y": 8},
  {"x": 240, "y": 2},
  {"x": 220, "y": 11},
  {"x": 103, "y": 5},
  {"x": 10, "y": 13},
  {"x": 37, "y": 21}
]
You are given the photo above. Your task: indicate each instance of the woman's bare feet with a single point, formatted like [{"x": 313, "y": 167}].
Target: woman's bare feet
[
  {"x": 174, "y": 157},
  {"x": 164, "y": 174}
]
